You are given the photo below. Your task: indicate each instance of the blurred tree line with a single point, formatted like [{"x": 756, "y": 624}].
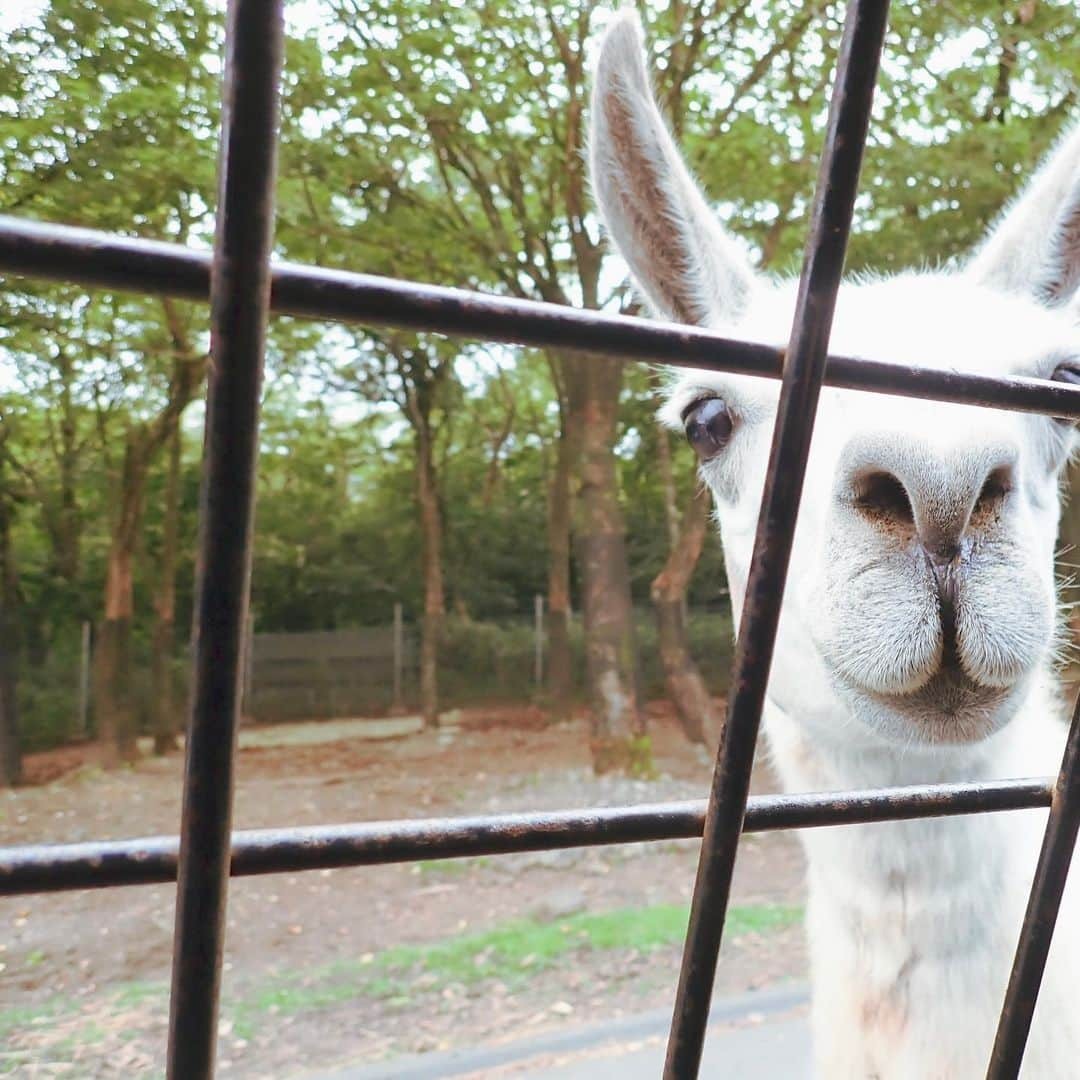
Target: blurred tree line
[{"x": 441, "y": 142}]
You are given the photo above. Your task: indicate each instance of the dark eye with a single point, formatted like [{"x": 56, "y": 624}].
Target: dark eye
[
  {"x": 708, "y": 427},
  {"x": 1068, "y": 372}
]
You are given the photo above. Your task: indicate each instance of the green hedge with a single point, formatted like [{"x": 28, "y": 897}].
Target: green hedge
[
  {"x": 487, "y": 661},
  {"x": 481, "y": 662}
]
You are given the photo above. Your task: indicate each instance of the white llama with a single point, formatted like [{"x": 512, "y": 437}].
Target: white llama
[{"x": 916, "y": 642}]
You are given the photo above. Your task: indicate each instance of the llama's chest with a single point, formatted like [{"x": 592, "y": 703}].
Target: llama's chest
[
  {"x": 912, "y": 931},
  {"x": 913, "y": 925}
]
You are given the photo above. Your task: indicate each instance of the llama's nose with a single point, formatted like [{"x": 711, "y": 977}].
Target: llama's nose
[{"x": 936, "y": 502}]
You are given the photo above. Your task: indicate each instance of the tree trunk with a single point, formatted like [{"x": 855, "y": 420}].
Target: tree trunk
[
  {"x": 434, "y": 595},
  {"x": 67, "y": 532},
  {"x": 667, "y": 486},
  {"x": 10, "y": 750},
  {"x": 560, "y": 504},
  {"x": 685, "y": 684},
  {"x": 163, "y": 707},
  {"x": 114, "y": 706},
  {"x": 618, "y": 733}
]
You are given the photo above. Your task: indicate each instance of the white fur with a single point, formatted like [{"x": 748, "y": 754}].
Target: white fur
[{"x": 912, "y": 925}]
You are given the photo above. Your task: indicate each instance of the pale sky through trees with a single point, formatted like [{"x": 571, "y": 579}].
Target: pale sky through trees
[{"x": 18, "y": 13}]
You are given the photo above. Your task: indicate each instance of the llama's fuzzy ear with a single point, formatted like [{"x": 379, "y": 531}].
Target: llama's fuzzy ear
[
  {"x": 684, "y": 263},
  {"x": 1035, "y": 246}
]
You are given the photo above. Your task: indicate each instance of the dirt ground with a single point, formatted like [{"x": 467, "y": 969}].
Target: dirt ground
[{"x": 347, "y": 966}]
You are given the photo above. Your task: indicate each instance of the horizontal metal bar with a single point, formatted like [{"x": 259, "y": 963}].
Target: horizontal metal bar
[
  {"x": 150, "y": 860},
  {"x": 97, "y": 259}
]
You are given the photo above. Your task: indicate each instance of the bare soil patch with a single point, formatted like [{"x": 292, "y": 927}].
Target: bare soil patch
[{"x": 343, "y": 966}]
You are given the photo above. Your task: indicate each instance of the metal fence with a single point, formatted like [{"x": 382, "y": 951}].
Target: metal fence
[
  {"x": 242, "y": 286},
  {"x": 322, "y": 674},
  {"x": 329, "y": 673}
]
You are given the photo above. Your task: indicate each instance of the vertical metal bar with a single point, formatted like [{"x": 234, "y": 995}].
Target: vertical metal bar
[
  {"x": 240, "y": 295},
  {"x": 1051, "y": 873},
  {"x": 834, "y": 201}
]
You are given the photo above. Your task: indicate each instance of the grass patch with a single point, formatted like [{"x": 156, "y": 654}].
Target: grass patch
[
  {"x": 450, "y": 867},
  {"x": 513, "y": 953},
  {"x": 61, "y": 1007},
  {"x": 137, "y": 992},
  {"x": 14, "y": 1019}
]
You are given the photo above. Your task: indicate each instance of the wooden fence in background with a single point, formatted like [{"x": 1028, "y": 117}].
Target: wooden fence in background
[
  {"x": 330, "y": 673},
  {"x": 369, "y": 671}
]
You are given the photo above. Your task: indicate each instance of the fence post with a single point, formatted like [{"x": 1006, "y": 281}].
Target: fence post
[
  {"x": 84, "y": 681},
  {"x": 399, "y": 659},
  {"x": 538, "y": 608}
]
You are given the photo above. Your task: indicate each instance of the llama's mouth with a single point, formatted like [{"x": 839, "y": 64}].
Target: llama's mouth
[{"x": 950, "y": 708}]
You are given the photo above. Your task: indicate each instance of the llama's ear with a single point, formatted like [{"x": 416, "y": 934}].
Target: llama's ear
[
  {"x": 1035, "y": 246},
  {"x": 684, "y": 263}
]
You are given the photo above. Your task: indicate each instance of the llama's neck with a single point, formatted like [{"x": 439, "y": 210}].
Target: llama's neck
[
  {"x": 962, "y": 847},
  {"x": 912, "y": 924}
]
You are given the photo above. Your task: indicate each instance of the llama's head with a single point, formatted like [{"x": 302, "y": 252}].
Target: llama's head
[{"x": 921, "y": 590}]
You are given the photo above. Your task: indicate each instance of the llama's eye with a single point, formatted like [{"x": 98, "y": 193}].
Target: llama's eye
[
  {"x": 1069, "y": 372},
  {"x": 708, "y": 427}
]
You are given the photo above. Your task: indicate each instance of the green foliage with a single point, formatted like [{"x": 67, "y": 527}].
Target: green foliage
[
  {"x": 49, "y": 693},
  {"x": 443, "y": 145},
  {"x": 494, "y": 660}
]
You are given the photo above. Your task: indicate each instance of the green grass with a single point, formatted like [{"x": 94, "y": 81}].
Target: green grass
[
  {"x": 450, "y": 867},
  {"x": 11, "y": 1020},
  {"x": 512, "y": 952},
  {"x": 525, "y": 943},
  {"x": 132, "y": 994},
  {"x": 64, "y": 1006}
]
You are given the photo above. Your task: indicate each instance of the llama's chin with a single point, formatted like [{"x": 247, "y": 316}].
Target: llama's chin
[{"x": 950, "y": 709}]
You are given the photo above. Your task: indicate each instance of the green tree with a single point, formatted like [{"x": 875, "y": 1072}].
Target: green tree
[{"x": 444, "y": 145}]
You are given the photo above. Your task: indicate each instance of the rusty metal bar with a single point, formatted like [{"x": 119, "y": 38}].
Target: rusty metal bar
[
  {"x": 239, "y": 308},
  {"x": 89, "y": 258},
  {"x": 1037, "y": 931},
  {"x": 804, "y": 370},
  {"x": 99, "y": 864},
  {"x": 242, "y": 289}
]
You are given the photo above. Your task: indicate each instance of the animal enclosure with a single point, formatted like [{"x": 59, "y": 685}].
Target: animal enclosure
[
  {"x": 370, "y": 670},
  {"x": 243, "y": 286}
]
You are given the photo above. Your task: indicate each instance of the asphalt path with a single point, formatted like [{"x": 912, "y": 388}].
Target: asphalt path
[{"x": 758, "y": 1036}]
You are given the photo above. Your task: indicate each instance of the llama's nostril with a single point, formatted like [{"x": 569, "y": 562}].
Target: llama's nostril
[
  {"x": 882, "y": 495},
  {"x": 997, "y": 485}
]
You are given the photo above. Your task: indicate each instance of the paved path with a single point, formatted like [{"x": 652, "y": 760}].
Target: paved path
[{"x": 762, "y": 1036}]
